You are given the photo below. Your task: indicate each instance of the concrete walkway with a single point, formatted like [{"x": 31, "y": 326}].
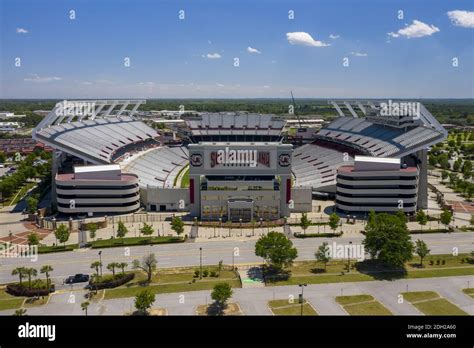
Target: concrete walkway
[{"x": 254, "y": 301}]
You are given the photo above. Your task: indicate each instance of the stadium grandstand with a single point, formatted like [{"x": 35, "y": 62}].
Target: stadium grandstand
[{"x": 108, "y": 132}]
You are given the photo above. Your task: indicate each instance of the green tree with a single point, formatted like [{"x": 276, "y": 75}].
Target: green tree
[
  {"x": 96, "y": 266},
  {"x": 421, "y": 249},
  {"x": 20, "y": 272},
  {"x": 334, "y": 220},
  {"x": 33, "y": 239},
  {"x": 46, "y": 269},
  {"x": 371, "y": 218},
  {"x": 304, "y": 222},
  {"x": 221, "y": 293},
  {"x": 30, "y": 273},
  {"x": 457, "y": 165},
  {"x": 122, "y": 266},
  {"x": 143, "y": 301},
  {"x": 62, "y": 234},
  {"x": 323, "y": 254},
  {"x": 85, "y": 306},
  {"x": 20, "y": 312},
  {"x": 446, "y": 217},
  {"x": 122, "y": 230},
  {"x": 467, "y": 169},
  {"x": 146, "y": 230},
  {"x": 148, "y": 265},
  {"x": 421, "y": 218},
  {"x": 111, "y": 267},
  {"x": 92, "y": 227},
  {"x": 31, "y": 204},
  {"x": 177, "y": 225},
  {"x": 388, "y": 240},
  {"x": 276, "y": 249},
  {"x": 444, "y": 175}
]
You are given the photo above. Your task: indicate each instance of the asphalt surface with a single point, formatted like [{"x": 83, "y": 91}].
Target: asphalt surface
[{"x": 188, "y": 254}]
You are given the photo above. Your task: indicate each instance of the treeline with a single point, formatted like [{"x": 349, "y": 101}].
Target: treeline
[
  {"x": 457, "y": 111},
  {"x": 26, "y": 170}
]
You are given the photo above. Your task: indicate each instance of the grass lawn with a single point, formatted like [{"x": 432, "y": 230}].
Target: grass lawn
[
  {"x": 469, "y": 291},
  {"x": 8, "y": 301},
  {"x": 283, "y": 307},
  {"x": 174, "y": 280},
  {"x": 362, "y": 305},
  {"x": 185, "y": 178},
  {"x": 313, "y": 272},
  {"x": 16, "y": 197},
  {"x": 430, "y": 303},
  {"x": 43, "y": 249},
  {"x": 119, "y": 242}
]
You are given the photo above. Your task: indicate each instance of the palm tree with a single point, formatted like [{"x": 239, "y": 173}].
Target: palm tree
[
  {"x": 31, "y": 272},
  {"x": 122, "y": 266},
  {"x": 111, "y": 267},
  {"x": 21, "y": 272},
  {"x": 46, "y": 269},
  {"x": 85, "y": 305},
  {"x": 96, "y": 265}
]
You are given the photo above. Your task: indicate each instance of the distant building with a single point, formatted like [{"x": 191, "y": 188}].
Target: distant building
[
  {"x": 5, "y": 115},
  {"x": 9, "y": 127}
]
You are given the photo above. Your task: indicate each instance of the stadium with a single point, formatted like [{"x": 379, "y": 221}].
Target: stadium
[{"x": 238, "y": 166}]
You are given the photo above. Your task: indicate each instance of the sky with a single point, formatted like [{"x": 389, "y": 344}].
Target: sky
[{"x": 236, "y": 49}]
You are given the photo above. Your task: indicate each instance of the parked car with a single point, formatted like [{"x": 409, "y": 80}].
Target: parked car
[{"x": 77, "y": 278}]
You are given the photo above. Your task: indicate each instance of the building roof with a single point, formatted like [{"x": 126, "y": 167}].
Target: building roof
[
  {"x": 377, "y": 159},
  {"x": 92, "y": 169}
]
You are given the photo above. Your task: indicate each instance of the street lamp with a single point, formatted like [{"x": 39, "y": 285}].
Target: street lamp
[
  {"x": 220, "y": 226},
  {"x": 349, "y": 257},
  {"x": 301, "y": 296},
  {"x": 100, "y": 262},
  {"x": 196, "y": 225},
  {"x": 261, "y": 220},
  {"x": 200, "y": 263},
  {"x": 240, "y": 223}
]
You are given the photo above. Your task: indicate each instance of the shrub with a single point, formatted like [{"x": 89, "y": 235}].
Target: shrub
[
  {"x": 22, "y": 290},
  {"x": 112, "y": 283},
  {"x": 314, "y": 235},
  {"x": 205, "y": 273},
  {"x": 213, "y": 274},
  {"x": 196, "y": 273}
]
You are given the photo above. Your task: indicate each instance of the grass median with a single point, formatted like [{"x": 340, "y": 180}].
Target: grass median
[
  {"x": 362, "y": 305},
  {"x": 312, "y": 272},
  {"x": 284, "y": 307},
  {"x": 430, "y": 303},
  {"x": 175, "y": 280}
]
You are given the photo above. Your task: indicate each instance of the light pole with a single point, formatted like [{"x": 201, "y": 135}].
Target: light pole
[
  {"x": 240, "y": 224},
  {"x": 100, "y": 262},
  {"x": 301, "y": 296},
  {"x": 261, "y": 220},
  {"x": 220, "y": 226},
  {"x": 233, "y": 264},
  {"x": 200, "y": 263},
  {"x": 349, "y": 257}
]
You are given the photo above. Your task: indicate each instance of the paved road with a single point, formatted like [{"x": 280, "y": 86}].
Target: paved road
[
  {"x": 253, "y": 301},
  {"x": 187, "y": 254}
]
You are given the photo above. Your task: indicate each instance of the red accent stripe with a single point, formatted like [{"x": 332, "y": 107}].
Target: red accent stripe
[
  {"x": 288, "y": 190},
  {"x": 191, "y": 191}
]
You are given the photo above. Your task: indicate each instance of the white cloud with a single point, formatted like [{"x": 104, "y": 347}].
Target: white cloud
[
  {"x": 212, "y": 56},
  {"x": 253, "y": 50},
  {"x": 219, "y": 85},
  {"x": 416, "y": 29},
  {"x": 21, "y": 31},
  {"x": 461, "y": 18},
  {"x": 334, "y": 36},
  {"x": 37, "y": 78},
  {"x": 359, "y": 54},
  {"x": 304, "y": 39}
]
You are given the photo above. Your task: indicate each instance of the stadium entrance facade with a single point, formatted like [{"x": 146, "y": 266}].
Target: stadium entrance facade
[{"x": 240, "y": 181}]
